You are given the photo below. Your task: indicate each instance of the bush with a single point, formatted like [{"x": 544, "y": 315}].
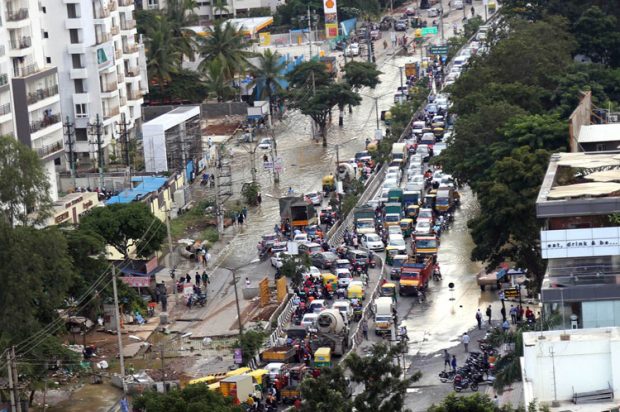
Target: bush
[
  {"x": 250, "y": 193},
  {"x": 251, "y": 341},
  {"x": 211, "y": 234}
]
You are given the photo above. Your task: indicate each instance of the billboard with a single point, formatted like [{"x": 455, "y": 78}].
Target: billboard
[
  {"x": 264, "y": 39},
  {"x": 602, "y": 241},
  {"x": 331, "y": 18}
]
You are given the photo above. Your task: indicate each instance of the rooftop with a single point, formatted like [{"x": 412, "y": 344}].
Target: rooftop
[
  {"x": 579, "y": 184},
  {"x": 171, "y": 119},
  {"x": 587, "y": 335},
  {"x": 146, "y": 185},
  {"x": 599, "y": 133}
]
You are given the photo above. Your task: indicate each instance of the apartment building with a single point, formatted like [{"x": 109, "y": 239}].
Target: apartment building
[
  {"x": 101, "y": 71},
  {"x": 29, "y": 89},
  {"x": 205, "y": 9}
]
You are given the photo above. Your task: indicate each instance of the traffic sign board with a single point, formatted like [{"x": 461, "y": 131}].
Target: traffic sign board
[
  {"x": 438, "y": 49},
  {"x": 511, "y": 293},
  {"x": 426, "y": 31}
]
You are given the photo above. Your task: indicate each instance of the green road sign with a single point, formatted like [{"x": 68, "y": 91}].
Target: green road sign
[
  {"x": 438, "y": 49},
  {"x": 426, "y": 31}
]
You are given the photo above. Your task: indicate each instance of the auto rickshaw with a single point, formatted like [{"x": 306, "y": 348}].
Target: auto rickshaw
[
  {"x": 388, "y": 289},
  {"x": 390, "y": 252},
  {"x": 355, "y": 291},
  {"x": 397, "y": 264},
  {"x": 323, "y": 358},
  {"x": 329, "y": 183},
  {"x": 438, "y": 132},
  {"x": 430, "y": 200},
  {"x": 387, "y": 118},
  {"x": 406, "y": 226},
  {"x": 412, "y": 211},
  {"x": 330, "y": 278}
]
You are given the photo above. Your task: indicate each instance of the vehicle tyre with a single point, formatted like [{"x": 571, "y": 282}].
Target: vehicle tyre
[
  {"x": 457, "y": 388},
  {"x": 474, "y": 386}
]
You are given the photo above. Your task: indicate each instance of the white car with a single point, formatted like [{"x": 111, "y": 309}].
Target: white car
[
  {"x": 313, "y": 272},
  {"x": 265, "y": 143},
  {"x": 372, "y": 241},
  {"x": 352, "y": 49},
  {"x": 414, "y": 187},
  {"x": 423, "y": 227},
  {"x": 442, "y": 102},
  {"x": 398, "y": 242},
  {"x": 433, "y": 12},
  {"x": 395, "y": 230},
  {"x": 301, "y": 238},
  {"x": 317, "y": 306},
  {"x": 276, "y": 259},
  {"x": 309, "y": 320},
  {"x": 390, "y": 184},
  {"x": 458, "y": 4},
  {"x": 394, "y": 169},
  {"x": 417, "y": 179},
  {"x": 438, "y": 148},
  {"x": 392, "y": 176},
  {"x": 344, "y": 277}
]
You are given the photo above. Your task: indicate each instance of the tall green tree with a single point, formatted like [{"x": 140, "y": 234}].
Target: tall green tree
[
  {"x": 329, "y": 392},
  {"x": 192, "y": 398},
  {"x": 24, "y": 184},
  {"x": 216, "y": 82},
  {"x": 597, "y": 34},
  {"x": 269, "y": 75},
  {"x": 344, "y": 95},
  {"x": 361, "y": 74},
  {"x": 124, "y": 226},
  {"x": 225, "y": 42},
  {"x": 309, "y": 74},
  {"x": 163, "y": 57}
]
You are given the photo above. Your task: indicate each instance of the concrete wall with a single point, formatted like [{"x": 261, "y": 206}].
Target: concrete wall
[
  {"x": 588, "y": 361},
  {"x": 579, "y": 117}
]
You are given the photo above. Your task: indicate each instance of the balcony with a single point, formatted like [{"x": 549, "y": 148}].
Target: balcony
[
  {"x": 113, "y": 5},
  {"x": 134, "y": 95},
  {"x": 41, "y": 94},
  {"x": 21, "y": 43},
  {"x": 128, "y": 24},
  {"x": 125, "y": 3},
  {"x": 133, "y": 72},
  {"x": 4, "y": 80},
  {"x": 25, "y": 71},
  {"x": 111, "y": 112},
  {"x": 5, "y": 109},
  {"x": 50, "y": 149},
  {"x": 19, "y": 15},
  {"x": 102, "y": 38},
  {"x": 47, "y": 121},
  {"x": 130, "y": 48},
  {"x": 115, "y": 30},
  {"x": 102, "y": 12},
  {"x": 109, "y": 87}
]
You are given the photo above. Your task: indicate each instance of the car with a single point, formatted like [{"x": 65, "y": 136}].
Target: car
[
  {"x": 313, "y": 272},
  {"x": 323, "y": 260},
  {"x": 400, "y": 25},
  {"x": 352, "y": 50},
  {"x": 395, "y": 230},
  {"x": 359, "y": 257},
  {"x": 392, "y": 176},
  {"x": 265, "y": 143},
  {"x": 414, "y": 187},
  {"x": 314, "y": 198},
  {"x": 460, "y": 61},
  {"x": 442, "y": 102},
  {"x": 398, "y": 242},
  {"x": 410, "y": 11},
  {"x": 423, "y": 227},
  {"x": 317, "y": 306},
  {"x": 417, "y": 179},
  {"x": 390, "y": 184},
  {"x": 394, "y": 169},
  {"x": 433, "y": 12},
  {"x": 344, "y": 277},
  {"x": 426, "y": 213},
  {"x": 417, "y": 127},
  {"x": 375, "y": 34},
  {"x": 277, "y": 258},
  {"x": 458, "y": 4},
  {"x": 343, "y": 264},
  {"x": 309, "y": 248},
  {"x": 372, "y": 241},
  {"x": 309, "y": 320},
  {"x": 437, "y": 121},
  {"x": 301, "y": 238},
  {"x": 438, "y": 148},
  {"x": 431, "y": 108}
]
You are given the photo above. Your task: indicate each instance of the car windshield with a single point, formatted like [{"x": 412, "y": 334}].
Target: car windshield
[
  {"x": 423, "y": 225},
  {"x": 344, "y": 275},
  {"x": 394, "y": 229},
  {"x": 425, "y": 214},
  {"x": 397, "y": 242},
  {"x": 364, "y": 225},
  {"x": 426, "y": 243},
  {"x": 383, "y": 319},
  {"x": 265, "y": 141},
  {"x": 372, "y": 238},
  {"x": 392, "y": 218}
]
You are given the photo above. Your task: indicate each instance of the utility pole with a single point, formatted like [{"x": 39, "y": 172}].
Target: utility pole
[
  {"x": 401, "y": 77},
  {"x": 95, "y": 129},
  {"x": 377, "y": 110},
  {"x": 15, "y": 376},
  {"x": 309, "y": 33},
  {"x": 218, "y": 207},
  {"x": 121, "y": 356},
  {"x": 338, "y": 180},
  {"x": 171, "y": 259},
  {"x": 125, "y": 142},
  {"x": 313, "y": 94},
  {"x": 274, "y": 154},
  {"x": 70, "y": 132},
  {"x": 369, "y": 46},
  {"x": 239, "y": 322},
  {"x": 441, "y": 20},
  {"x": 12, "y": 384}
]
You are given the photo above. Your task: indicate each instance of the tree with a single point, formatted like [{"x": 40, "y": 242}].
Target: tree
[
  {"x": 384, "y": 388},
  {"x": 361, "y": 74},
  {"x": 344, "y": 96},
  {"x": 192, "y": 398},
  {"x": 475, "y": 402},
  {"x": 307, "y": 75},
  {"x": 123, "y": 226},
  {"x": 24, "y": 184},
  {"x": 220, "y": 7},
  {"x": 216, "y": 82},
  {"x": 326, "y": 393},
  {"x": 597, "y": 35},
  {"x": 186, "y": 86},
  {"x": 163, "y": 58},
  {"x": 268, "y": 76},
  {"x": 224, "y": 42},
  {"x": 250, "y": 343}
]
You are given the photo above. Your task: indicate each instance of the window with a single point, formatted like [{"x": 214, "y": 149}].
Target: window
[
  {"x": 72, "y": 11},
  {"x": 79, "y": 86},
  {"x": 76, "y": 59},
  {"x": 601, "y": 147},
  {"x": 74, "y": 36},
  {"x": 46, "y": 35},
  {"x": 48, "y": 60},
  {"x": 57, "y": 161},
  {"x": 81, "y": 136},
  {"x": 80, "y": 110}
]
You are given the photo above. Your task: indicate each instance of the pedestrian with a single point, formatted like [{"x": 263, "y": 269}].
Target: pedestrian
[
  {"x": 446, "y": 359},
  {"x": 489, "y": 314},
  {"x": 259, "y": 198},
  {"x": 505, "y": 325},
  {"x": 188, "y": 278},
  {"x": 496, "y": 401},
  {"x": 502, "y": 296},
  {"x": 503, "y": 312},
  {"x": 163, "y": 298},
  {"x": 513, "y": 314},
  {"x": 240, "y": 219},
  {"x": 365, "y": 329},
  {"x": 465, "y": 339},
  {"x": 479, "y": 319},
  {"x": 244, "y": 212},
  {"x": 198, "y": 278},
  {"x": 453, "y": 363},
  {"x": 205, "y": 278},
  {"x": 473, "y": 11}
]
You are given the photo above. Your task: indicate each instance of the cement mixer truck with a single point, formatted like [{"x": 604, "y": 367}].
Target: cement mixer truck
[{"x": 332, "y": 331}]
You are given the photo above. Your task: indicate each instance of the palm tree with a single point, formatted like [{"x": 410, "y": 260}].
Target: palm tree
[
  {"x": 163, "y": 58},
  {"x": 226, "y": 43},
  {"x": 268, "y": 76},
  {"x": 216, "y": 82},
  {"x": 221, "y": 6},
  {"x": 180, "y": 14}
]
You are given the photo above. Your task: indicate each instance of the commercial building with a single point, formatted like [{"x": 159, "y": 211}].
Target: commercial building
[
  {"x": 578, "y": 202},
  {"x": 101, "y": 72},
  {"x": 70, "y": 208},
  {"x": 574, "y": 370},
  {"x": 173, "y": 141},
  {"x": 29, "y": 90},
  {"x": 206, "y": 10}
]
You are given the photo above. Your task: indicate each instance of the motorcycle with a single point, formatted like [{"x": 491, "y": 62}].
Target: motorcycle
[
  {"x": 437, "y": 274},
  {"x": 463, "y": 382},
  {"x": 197, "y": 299},
  {"x": 447, "y": 376}
]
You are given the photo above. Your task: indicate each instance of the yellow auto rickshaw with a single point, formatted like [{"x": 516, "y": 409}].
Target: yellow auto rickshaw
[
  {"x": 323, "y": 358},
  {"x": 387, "y": 118},
  {"x": 329, "y": 183},
  {"x": 390, "y": 252},
  {"x": 388, "y": 289},
  {"x": 258, "y": 375},
  {"x": 412, "y": 211},
  {"x": 438, "y": 132},
  {"x": 330, "y": 278},
  {"x": 355, "y": 291},
  {"x": 406, "y": 226}
]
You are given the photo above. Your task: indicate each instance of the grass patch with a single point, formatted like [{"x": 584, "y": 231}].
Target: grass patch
[
  {"x": 194, "y": 219},
  {"x": 210, "y": 234}
]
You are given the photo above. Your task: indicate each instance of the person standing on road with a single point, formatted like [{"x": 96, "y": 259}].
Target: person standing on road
[
  {"x": 259, "y": 198},
  {"x": 503, "y": 312},
  {"x": 453, "y": 363},
  {"x": 198, "y": 278},
  {"x": 163, "y": 297},
  {"x": 188, "y": 278},
  {"x": 513, "y": 314},
  {"x": 465, "y": 340},
  {"x": 489, "y": 314},
  {"x": 479, "y": 319},
  {"x": 365, "y": 329},
  {"x": 473, "y": 11},
  {"x": 446, "y": 359}
]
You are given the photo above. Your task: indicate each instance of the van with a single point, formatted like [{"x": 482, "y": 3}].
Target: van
[
  {"x": 460, "y": 61},
  {"x": 399, "y": 151},
  {"x": 384, "y": 318}
]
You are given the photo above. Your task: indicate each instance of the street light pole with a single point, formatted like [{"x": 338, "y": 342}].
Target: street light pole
[{"x": 377, "y": 110}]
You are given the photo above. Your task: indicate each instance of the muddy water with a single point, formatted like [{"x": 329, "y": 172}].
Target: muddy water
[{"x": 92, "y": 398}]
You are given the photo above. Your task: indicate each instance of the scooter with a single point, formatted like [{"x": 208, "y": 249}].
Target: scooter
[
  {"x": 437, "y": 274},
  {"x": 197, "y": 299},
  {"x": 464, "y": 382}
]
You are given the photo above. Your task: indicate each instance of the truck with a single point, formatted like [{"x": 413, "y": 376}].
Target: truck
[
  {"x": 412, "y": 197},
  {"x": 393, "y": 208},
  {"x": 399, "y": 151},
  {"x": 444, "y": 200},
  {"x": 332, "y": 331},
  {"x": 414, "y": 276},
  {"x": 298, "y": 212},
  {"x": 425, "y": 246},
  {"x": 239, "y": 388},
  {"x": 364, "y": 219},
  {"x": 384, "y": 318},
  {"x": 278, "y": 354}
]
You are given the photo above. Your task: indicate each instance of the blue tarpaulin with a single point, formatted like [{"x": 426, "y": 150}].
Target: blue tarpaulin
[{"x": 147, "y": 184}]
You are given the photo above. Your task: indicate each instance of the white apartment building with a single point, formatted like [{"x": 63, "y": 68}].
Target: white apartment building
[
  {"x": 29, "y": 90},
  {"x": 101, "y": 71},
  {"x": 206, "y": 11}
]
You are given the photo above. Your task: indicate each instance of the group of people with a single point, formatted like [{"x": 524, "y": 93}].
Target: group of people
[{"x": 240, "y": 217}]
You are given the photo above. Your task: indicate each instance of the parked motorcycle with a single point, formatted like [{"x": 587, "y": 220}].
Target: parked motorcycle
[
  {"x": 463, "y": 382},
  {"x": 197, "y": 299},
  {"x": 447, "y": 376}
]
